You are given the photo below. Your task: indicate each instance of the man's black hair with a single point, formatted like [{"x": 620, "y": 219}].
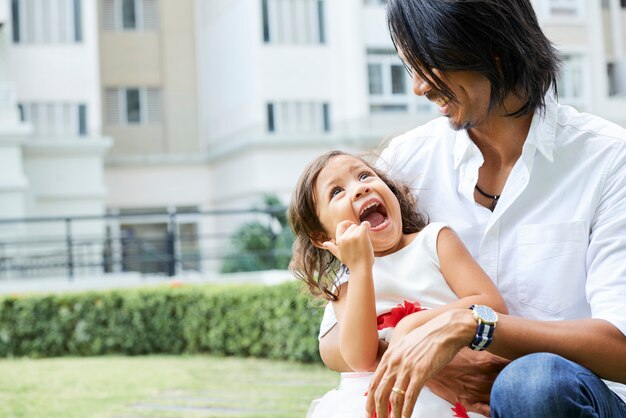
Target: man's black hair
[{"x": 499, "y": 39}]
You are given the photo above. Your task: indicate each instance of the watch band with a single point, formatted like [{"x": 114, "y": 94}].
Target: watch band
[{"x": 484, "y": 331}]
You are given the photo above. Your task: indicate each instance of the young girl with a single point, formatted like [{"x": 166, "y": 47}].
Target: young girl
[{"x": 361, "y": 243}]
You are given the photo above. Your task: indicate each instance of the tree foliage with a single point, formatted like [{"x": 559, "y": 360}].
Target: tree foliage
[{"x": 260, "y": 245}]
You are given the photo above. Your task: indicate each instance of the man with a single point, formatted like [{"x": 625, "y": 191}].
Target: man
[{"x": 537, "y": 191}]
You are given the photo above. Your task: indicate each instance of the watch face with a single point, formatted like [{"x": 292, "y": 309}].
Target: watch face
[{"x": 486, "y": 314}]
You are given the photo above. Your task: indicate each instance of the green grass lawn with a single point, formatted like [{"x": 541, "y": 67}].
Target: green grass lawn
[{"x": 159, "y": 386}]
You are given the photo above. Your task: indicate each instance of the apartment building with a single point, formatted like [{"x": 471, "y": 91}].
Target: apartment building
[
  {"x": 591, "y": 36},
  {"x": 213, "y": 104},
  {"x": 148, "y": 83},
  {"x": 13, "y": 182},
  {"x": 53, "y": 67},
  {"x": 51, "y": 142}
]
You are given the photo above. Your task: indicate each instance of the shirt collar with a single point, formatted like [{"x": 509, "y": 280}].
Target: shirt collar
[
  {"x": 542, "y": 133},
  {"x": 462, "y": 145}
]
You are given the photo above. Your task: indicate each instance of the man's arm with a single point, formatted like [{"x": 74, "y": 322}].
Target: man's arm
[
  {"x": 593, "y": 343},
  {"x": 428, "y": 349}
]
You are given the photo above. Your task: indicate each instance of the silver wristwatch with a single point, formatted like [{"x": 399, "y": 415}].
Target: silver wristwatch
[{"x": 487, "y": 319}]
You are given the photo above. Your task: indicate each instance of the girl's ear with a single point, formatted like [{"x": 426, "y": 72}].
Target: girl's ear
[{"x": 320, "y": 240}]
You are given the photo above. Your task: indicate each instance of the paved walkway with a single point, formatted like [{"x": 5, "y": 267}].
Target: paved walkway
[{"x": 262, "y": 398}]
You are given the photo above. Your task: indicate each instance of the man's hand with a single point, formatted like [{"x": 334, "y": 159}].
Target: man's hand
[
  {"x": 468, "y": 379},
  {"x": 415, "y": 359}
]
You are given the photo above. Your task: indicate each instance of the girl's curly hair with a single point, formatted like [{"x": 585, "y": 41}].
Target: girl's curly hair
[{"x": 315, "y": 266}]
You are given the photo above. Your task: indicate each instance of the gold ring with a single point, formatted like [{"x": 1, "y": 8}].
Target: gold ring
[{"x": 398, "y": 391}]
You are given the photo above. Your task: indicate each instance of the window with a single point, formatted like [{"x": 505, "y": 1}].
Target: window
[
  {"x": 298, "y": 117},
  {"x": 293, "y": 22},
  {"x": 617, "y": 78},
  {"x": 563, "y": 9},
  {"x": 133, "y": 109},
  {"x": 398, "y": 79},
  {"x": 37, "y": 22},
  {"x": 82, "y": 120},
  {"x": 571, "y": 81},
  {"x": 388, "y": 84},
  {"x": 387, "y": 78},
  {"x": 271, "y": 127},
  {"x": 15, "y": 20},
  {"x": 55, "y": 119},
  {"x": 78, "y": 25},
  {"x": 375, "y": 77},
  {"x": 130, "y": 15},
  {"x": 145, "y": 241},
  {"x": 132, "y": 106},
  {"x": 326, "y": 117}
]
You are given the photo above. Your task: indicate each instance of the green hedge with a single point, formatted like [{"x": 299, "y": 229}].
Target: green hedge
[{"x": 277, "y": 322}]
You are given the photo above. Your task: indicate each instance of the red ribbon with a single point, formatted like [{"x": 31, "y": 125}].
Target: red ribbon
[
  {"x": 391, "y": 319},
  {"x": 460, "y": 411}
]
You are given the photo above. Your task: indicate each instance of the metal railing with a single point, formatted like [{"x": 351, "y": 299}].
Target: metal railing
[{"x": 159, "y": 243}]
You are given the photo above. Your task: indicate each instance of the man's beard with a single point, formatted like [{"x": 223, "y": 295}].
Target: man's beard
[{"x": 460, "y": 126}]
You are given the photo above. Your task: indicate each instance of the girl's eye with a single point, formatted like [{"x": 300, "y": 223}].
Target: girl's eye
[
  {"x": 335, "y": 191},
  {"x": 364, "y": 175}
]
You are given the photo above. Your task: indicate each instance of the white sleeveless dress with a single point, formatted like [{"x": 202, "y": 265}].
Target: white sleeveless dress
[{"x": 411, "y": 274}]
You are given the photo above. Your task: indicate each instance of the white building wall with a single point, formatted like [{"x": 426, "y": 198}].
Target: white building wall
[
  {"x": 13, "y": 181},
  {"x": 229, "y": 88},
  {"x": 65, "y": 171},
  {"x": 185, "y": 184},
  {"x": 61, "y": 72},
  {"x": 51, "y": 169}
]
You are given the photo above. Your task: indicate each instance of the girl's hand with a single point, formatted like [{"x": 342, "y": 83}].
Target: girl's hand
[{"x": 353, "y": 245}]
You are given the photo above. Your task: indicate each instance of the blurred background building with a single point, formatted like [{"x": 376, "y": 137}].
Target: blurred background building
[{"x": 130, "y": 107}]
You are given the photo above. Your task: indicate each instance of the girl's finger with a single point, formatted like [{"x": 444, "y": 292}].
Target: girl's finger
[
  {"x": 342, "y": 227},
  {"x": 330, "y": 246}
]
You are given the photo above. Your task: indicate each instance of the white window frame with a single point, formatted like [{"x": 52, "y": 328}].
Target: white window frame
[
  {"x": 55, "y": 119},
  {"x": 567, "y": 79},
  {"x": 118, "y": 17},
  {"x": 291, "y": 22},
  {"x": 119, "y": 21},
  {"x": 548, "y": 6},
  {"x": 375, "y": 2},
  {"x": 54, "y": 23},
  {"x": 144, "y": 117},
  {"x": 413, "y": 103},
  {"x": 299, "y": 117}
]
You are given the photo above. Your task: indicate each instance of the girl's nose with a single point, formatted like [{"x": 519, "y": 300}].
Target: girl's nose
[{"x": 361, "y": 190}]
